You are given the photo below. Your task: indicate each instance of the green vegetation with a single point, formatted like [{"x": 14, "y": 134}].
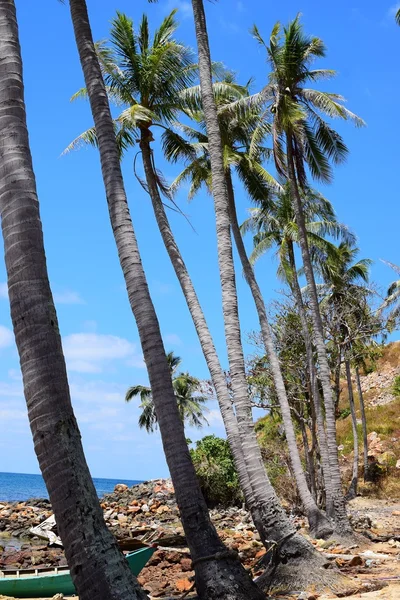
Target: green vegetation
[{"x": 213, "y": 461}]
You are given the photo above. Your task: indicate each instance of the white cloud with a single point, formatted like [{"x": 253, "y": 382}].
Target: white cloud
[
  {"x": 68, "y": 297},
  {"x": 99, "y": 392},
  {"x": 214, "y": 418},
  {"x": 6, "y": 337},
  {"x": 11, "y": 389},
  {"x": 184, "y": 8},
  {"x": 91, "y": 352},
  {"x": 3, "y": 290},
  {"x": 12, "y": 415}
]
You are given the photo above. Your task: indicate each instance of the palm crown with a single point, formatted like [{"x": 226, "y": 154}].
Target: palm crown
[
  {"x": 187, "y": 393},
  {"x": 298, "y": 110},
  {"x": 146, "y": 76},
  {"x": 274, "y": 224}
]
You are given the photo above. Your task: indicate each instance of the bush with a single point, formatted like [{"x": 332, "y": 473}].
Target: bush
[
  {"x": 213, "y": 461},
  {"x": 396, "y": 386}
]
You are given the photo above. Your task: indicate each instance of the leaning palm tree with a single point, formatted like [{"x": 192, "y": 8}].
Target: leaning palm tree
[
  {"x": 146, "y": 107},
  {"x": 187, "y": 393},
  {"x": 236, "y": 127},
  {"x": 397, "y": 17},
  {"x": 343, "y": 293},
  {"x": 299, "y": 555},
  {"x": 303, "y": 138},
  {"x": 97, "y": 566},
  {"x": 224, "y": 578},
  {"x": 274, "y": 225}
]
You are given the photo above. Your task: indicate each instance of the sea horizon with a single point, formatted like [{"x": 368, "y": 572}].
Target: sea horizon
[{"x": 25, "y": 486}]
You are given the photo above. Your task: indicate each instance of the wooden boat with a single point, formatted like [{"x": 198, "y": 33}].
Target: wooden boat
[{"x": 44, "y": 583}]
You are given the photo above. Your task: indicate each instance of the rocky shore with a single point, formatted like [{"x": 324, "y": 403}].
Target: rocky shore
[
  {"x": 144, "y": 513},
  {"x": 147, "y": 513}
]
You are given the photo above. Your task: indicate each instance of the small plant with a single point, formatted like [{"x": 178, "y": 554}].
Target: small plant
[
  {"x": 396, "y": 386},
  {"x": 344, "y": 413}
]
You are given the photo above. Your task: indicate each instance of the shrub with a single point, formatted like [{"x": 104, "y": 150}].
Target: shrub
[
  {"x": 213, "y": 461},
  {"x": 396, "y": 386}
]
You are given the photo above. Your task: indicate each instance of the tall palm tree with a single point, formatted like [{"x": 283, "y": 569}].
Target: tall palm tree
[
  {"x": 97, "y": 566},
  {"x": 152, "y": 98},
  {"x": 274, "y": 224},
  {"x": 341, "y": 291},
  {"x": 299, "y": 127},
  {"x": 187, "y": 393},
  {"x": 294, "y": 547},
  {"x": 214, "y": 577},
  {"x": 236, "y": 128}
]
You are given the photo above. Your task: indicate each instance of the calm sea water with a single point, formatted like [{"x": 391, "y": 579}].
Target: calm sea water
[{"x": 19, "y": 486}]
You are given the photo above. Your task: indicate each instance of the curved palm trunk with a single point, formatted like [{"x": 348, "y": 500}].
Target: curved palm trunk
[
  {"x": 97, "y": 566},
  {"x": 338, "y": 506},
  {"x": 316, "y": 398},
  {"x": 364, "y": 424},
  {"x": 319, "y": 524},
  {"x": 352, "y": 493},
  {"x": 200, "y": 323},
  {"x": 291, "y": 558},
  {"x": 218, "y": 574}
]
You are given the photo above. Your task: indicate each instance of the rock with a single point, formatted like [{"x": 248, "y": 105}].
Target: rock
[
  {"x": 387, "y": 458},
  {"x": 120, "y": 488},
  {"x": 356, "y": 561},
  {"x": 183, "y": 585},
  {"x": 145, "y": 508},
  {"x": 398, "y": 464},
  {"x": 186, "y": 564},
  {"x": 58, "y": 597}
]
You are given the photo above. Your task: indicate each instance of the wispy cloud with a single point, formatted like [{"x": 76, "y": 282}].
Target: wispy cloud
[
  {"x": 184, "y": 8},
  {"x": 173, "y": 339},
  {"x": 6, "y": 337},
  {"x": 68, "y": 297},
  {"x": 3, "y": 290},
  {"x": 92, "y": 352}
]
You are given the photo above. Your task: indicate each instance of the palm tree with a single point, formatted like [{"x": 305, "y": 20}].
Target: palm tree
[
  {"x": 299, "y": 127},
  {"x": 236, "y": 128},
  {"x": 343, "y": 293},
  {"x": 392, "y": 299},
  {"x": 186, "y": 387},
  {"x": 146, "y": 107},
  {"x": 274, "y": 224},
  {"x": 397, "y": 17},
  {"x": 277, "y": 526},
  {"x": 97, "y": 566},
  {"x": 213, "y": 577}
]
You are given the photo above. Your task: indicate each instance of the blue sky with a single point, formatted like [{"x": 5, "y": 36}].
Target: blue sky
[{"x": 99, "y": 334}]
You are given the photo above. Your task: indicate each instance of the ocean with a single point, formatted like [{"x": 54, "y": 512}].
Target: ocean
[{"x": 21, "y": 486}]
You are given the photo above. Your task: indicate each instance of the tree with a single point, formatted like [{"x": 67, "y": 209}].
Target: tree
[
  {"x": 236, "y": 129},
  {"x": 343, "y": 293},
  {"x": 392, "y": 300},
  {"x": 154, "y": 100},
  {"x": 274, "y": 224},
  {"x": 299, "y": 127},
  {"x": 299, "y": 555},
  {"x": 212, "y": 575},
  {"x": 97, "y": 566},
  {"x": 187, "y": 393},
  {"x": 397, "y": 17}
]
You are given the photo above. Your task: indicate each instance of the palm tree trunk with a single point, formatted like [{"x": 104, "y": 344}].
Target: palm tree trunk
[
  {"x": 364, "y": 424},
  {"x": 217, "y": 375},
  {"x": 97, "y": 566},
  {"x": 316, "y": 398},
  {"x": 214, "y": 566},
  {"x": 291, "y": 559},
  {"x": 352, "y": 493},
  {"x": 337, "y": 508},
  {"x": 319, "y": 524},
  {"x": 267, "y": 512}
]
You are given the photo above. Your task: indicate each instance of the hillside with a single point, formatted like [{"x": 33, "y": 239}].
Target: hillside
[{"x": 383, "y": 424}]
